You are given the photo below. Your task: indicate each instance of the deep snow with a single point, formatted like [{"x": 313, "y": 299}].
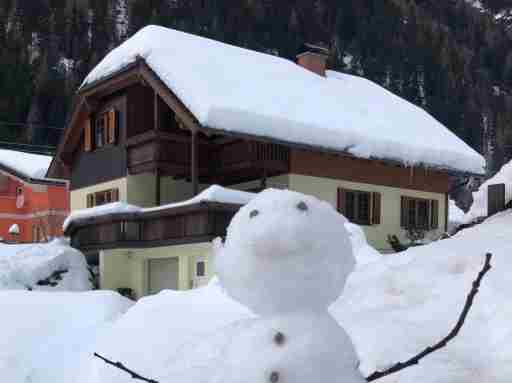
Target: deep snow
[
  {"x": 392, "y": 308},
  {"x": 287, "y": 102},
  {"x": 22, "y": 266},
  {"x": 49, "y": 337}
]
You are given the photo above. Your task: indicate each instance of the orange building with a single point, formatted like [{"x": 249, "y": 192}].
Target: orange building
[{"x": 36, "y": 204}]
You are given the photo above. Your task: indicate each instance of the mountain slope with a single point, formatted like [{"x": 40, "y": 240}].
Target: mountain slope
[{"x": 450, "y": 58}]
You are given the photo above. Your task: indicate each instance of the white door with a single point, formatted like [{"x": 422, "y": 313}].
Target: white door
[{"x": 163, "y": 274}]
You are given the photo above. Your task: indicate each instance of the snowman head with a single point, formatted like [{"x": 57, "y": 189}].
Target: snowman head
[{"x": 285, "y": 252}]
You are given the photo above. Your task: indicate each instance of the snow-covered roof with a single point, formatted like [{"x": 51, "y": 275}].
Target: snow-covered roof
[
  {"x": 214, "y": 193},
  {"x": 28, "y": 165},
  {"x": 239, "y": 90}
]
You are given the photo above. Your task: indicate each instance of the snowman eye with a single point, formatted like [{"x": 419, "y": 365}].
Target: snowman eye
[
  {"x": 254, "y": 213},
  {"x": 302, "y": 206}
]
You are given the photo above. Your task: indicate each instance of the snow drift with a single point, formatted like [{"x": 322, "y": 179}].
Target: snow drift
[
  {"x": 50, "y": 337},
  {"x": 23, "y": 267},
  {"x": 393, "y": 308}
]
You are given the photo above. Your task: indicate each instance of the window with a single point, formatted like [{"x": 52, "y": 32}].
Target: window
[
  {"x": 102, "y": 197},
  {"x": 419, "y": 213},
  {"x": 200, "y": 269},
  {"x": 100, "y": 129},
  {"x": 19, "y": 190},
  {"x": 360, "y": 207},
  {"x": 102, "y": 132}
]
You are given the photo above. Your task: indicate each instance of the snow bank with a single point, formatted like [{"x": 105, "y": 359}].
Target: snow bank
[
  {"x": 289, "y": 103},
  {"x": 456, "y": 216},
  {"x": 214, "y": 193},
  {"x": 27, "y": 164},
  {"x": 393, "y": 308},
  {"x": 23, "y": 266},
  {"x": 50, "y": 337},
  {"x": 480, "y": 197}
]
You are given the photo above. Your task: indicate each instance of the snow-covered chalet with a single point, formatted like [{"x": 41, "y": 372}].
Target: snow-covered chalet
[{"x": 167, "y": 114}]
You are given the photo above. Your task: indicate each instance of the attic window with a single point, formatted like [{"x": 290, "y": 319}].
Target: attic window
[{"x": 103, "y": 132}]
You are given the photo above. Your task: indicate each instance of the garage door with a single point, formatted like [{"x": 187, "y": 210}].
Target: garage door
[{"x": 163, "y": 274}]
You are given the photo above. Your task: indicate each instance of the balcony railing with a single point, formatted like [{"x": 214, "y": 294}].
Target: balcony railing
[{"x": 162, "y": 227}]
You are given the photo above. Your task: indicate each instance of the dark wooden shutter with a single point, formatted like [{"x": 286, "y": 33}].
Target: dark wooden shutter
[
  {"x": 90, "y": 200},
  {"x": 342, "y": 200},
  {"x": 115, "y": 195},
  {"x": 403, "y": 212},
  {"x": 434, "y": 214},
  {"x": 88, "y": 136},
  {"x": 376, "y": 208},
  {"x": 112, "y": 126}
]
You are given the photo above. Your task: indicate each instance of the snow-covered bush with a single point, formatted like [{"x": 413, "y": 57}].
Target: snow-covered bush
[{"x": 50, "y": 266}]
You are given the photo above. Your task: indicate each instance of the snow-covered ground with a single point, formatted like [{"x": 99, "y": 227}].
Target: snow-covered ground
[
  {"x": 392, "y": 308},
  {"x": 48, "y": 337},
  {"x": 23, "y": 266}
]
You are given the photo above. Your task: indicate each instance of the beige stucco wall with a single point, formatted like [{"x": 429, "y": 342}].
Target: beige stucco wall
[
  {"x": 129, "y": 267},
  {"x": 327, "y": 189},
  {"x": 279, "y": 182},
  {"x": 79, "y": 196}
]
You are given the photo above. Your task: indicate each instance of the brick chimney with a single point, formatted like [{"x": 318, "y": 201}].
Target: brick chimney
[{"x": 313, "y": 58}]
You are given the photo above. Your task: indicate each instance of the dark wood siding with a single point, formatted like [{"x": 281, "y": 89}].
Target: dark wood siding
[
  {"x": 106, "y": 163},
  {"x": 366, "y": 171}
]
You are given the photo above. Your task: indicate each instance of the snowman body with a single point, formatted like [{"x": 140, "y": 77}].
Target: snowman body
[{"x": 287, "y": 257}]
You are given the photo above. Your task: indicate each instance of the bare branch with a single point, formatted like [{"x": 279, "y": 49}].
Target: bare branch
[
  {"x": 443, "y": 342},
  {"x": 121, "y": 367}
]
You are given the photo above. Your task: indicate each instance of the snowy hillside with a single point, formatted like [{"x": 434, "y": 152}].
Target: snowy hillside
[
  {"x": 393, "y": 308},
  {"x": 54, "y": 266}
]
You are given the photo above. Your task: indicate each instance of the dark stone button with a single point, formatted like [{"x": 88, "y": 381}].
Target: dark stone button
[
  {"x": 302, "y": 206},
  {"x": 274, "y": 377},
  {"x": 279, "y": 338}
]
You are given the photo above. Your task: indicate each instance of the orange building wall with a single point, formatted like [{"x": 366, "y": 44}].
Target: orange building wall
[{"x": 44, "y": 206}]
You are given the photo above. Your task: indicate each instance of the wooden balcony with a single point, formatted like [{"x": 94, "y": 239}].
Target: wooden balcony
[
  {"x": 161, "y": 227},
  {"x": 223, "y": 161}
]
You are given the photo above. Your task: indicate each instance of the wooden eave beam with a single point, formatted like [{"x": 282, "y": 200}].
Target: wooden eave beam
[{"x": 170, "y": 99}]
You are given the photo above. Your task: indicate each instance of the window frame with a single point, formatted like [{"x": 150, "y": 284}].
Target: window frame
[
  {"x": 413, "y": 206},
  {"x": 356, "y": 197},
  {"x": 107, "y": 196}
]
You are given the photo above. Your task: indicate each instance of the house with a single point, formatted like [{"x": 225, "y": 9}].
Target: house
[
  {"x": 32, "y": 207},
  {"x": 167, "y": 114}
]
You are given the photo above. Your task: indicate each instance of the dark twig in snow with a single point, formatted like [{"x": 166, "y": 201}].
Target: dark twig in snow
[
  {"x": 442, "y": 343},
  {"x": 121, "y": 366}
]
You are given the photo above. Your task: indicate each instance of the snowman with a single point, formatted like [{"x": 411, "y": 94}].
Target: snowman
[{"x": 286, "y": 257}]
